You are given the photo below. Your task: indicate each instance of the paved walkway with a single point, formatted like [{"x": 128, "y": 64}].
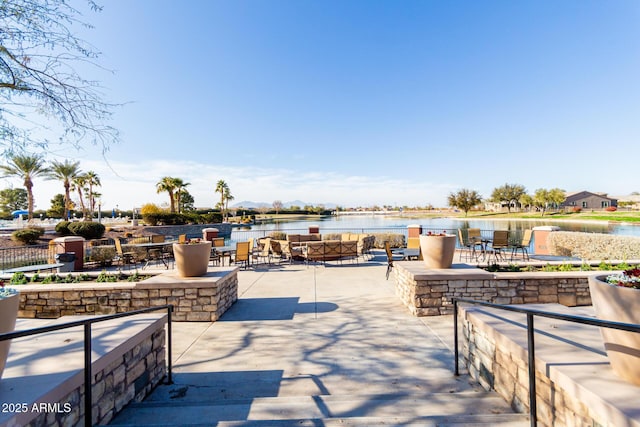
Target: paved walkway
[{"x": 314, "y": 342}]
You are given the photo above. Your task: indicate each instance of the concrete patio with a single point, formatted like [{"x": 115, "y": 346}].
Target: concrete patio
[{"x": 318, "y": 345}]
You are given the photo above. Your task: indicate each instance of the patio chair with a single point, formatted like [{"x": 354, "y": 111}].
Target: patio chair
[
  {"x": 182, "y": 238},
  {"x": 390, "y": 259},
  {"x": 290, "y": 252},
  {"x": 159, "y": 254},
  {"x": 522, "y": 245},
  {"x": 264, "y": 253},
  {"x": 466, "y": 248},
  {"x": 124, "y": 258},
  {"x": 242, "y": 254},
  {"x": 469, "y": 246},
  {"x": 276, "y": 250},
  {"x": 499, "y": 243}
]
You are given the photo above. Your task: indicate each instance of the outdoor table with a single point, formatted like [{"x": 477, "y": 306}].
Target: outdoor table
[
  {"x": 409, "y": 253},
  {"x": 153, "y": 245},
  {"x": 224, "y": 251}
]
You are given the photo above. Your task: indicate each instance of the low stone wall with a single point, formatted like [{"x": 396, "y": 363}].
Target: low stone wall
[
  {"x": 124, "y": 370},
  {"x": 575, "y": 385},
  {"x": 429, "y": 292},
  {"x": 191, "y": 230},
  {"x": 195, "y": 299}
]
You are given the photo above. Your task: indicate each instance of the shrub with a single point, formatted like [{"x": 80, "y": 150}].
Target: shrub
[
  {"x": 576, "y": 210},
  {"x": 611, "y": 209},
  {"x": 87, "y": 229},
  {"x": 278, "y": 235},
  {"x": 62, "y": 228},
  {"x": 28, "y": 236},
  {"x": 102, "y": 254}
]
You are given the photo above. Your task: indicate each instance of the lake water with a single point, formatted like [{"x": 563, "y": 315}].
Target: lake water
[{"x": 368, "y": 222}]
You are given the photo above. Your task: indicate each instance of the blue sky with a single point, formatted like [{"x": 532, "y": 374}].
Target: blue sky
[{"x": 366, "y": 102}]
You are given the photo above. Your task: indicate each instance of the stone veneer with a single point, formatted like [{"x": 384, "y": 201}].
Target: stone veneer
[
  {"x": 195, "y": 299},
  {"x": 575, "y": 385},
  {"x": 129, "y": 362},
  {"x": 429, "y": 292}
]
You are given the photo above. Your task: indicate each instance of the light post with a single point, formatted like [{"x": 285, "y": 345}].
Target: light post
[
  {"x": 134, "y": 221},
  {"x": 99, "y": 212}
]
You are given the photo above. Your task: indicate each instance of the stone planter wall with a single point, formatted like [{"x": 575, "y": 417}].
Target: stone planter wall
[
  {"x": 429, "y": 292},
  {"x": 574, "y": 384},
  {"x": 124, "y": 374},
  {"x": 195, "y": 299}
]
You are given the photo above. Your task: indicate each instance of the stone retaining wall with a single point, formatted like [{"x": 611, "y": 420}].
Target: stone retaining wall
[
  {"x": 195, "y": 299},
  {"x": 191, "y": 230},
  {"x": 124, "y": 374},
  {"x": 574, "y": 382},
  {"x": 429, "y": 292}
]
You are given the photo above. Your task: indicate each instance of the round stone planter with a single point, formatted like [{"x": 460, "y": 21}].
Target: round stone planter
[
  {"x": 438, "y": 251},
  {"x": 8, "y": 313},
  {"x": 618, "y": 304},
  {"x": 192, "y": 259}
]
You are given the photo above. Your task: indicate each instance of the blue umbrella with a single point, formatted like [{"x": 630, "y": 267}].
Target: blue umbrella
[{"x": 20, "y": 212}]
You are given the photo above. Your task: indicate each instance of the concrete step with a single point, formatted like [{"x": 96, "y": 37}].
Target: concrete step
[
  {"x": 427, "y": 409},
  {"x": 501, "y": 420}
]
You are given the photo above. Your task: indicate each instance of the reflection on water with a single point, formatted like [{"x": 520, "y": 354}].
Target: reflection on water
[{"x": 438, "y": 224}]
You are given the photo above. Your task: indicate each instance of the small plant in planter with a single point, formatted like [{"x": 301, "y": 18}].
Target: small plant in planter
[
  {"x": 628, "y": 278},
  {"x": 616, "y": 297},
  {"x": 5, "y": 291}
]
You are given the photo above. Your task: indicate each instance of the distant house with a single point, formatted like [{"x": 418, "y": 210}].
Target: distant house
[{"x": 588, "y": 200}]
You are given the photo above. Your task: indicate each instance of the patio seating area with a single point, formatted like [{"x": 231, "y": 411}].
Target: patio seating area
[{"x": 354, "y": 354}]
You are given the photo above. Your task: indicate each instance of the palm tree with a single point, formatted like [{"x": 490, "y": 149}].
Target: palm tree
[
  {"x": 180, "y": 186},
  {"x": 91, "y": 180},
  {"x": 223, "y": 188},
  {"x": 78, "y": 183},
  {"x": 168, "y": 184},
  {"x": 227, "y": 198},
  {"x": 65, "y": 171},
  {"x": 25, "y": 167}
]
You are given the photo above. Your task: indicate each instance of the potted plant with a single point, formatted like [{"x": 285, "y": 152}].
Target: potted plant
[
  {"x": 192, "y": 257},
  {"x": 616, "y": 297},
  {"x": 9, "y": 303},
  {"x": 437, "y": 249}
]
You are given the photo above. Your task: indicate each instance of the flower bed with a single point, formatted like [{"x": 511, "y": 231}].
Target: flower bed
[{"x": 102, "y": 277}]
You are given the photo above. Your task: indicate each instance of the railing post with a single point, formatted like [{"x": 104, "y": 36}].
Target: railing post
[
  {"x": 455, "y": 335},
  {"x": 169, "y": 346},
  {"x": 87, "y": 375},
  {"x": 533, "y": 410}
]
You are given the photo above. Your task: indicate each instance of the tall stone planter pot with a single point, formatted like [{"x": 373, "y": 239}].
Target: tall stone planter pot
[
  {"x": 192, "y": 259},
  {"x": 438, "y": 251},
  {"x": 8, "y": 313},
  {"x": 618, "y": 304}
]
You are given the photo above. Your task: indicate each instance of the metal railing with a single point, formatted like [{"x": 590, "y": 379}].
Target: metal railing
[
  {"x": 86, "y": 324},
  {"x": 531, "y": 339},
  {"x": 20, "y": 256}
]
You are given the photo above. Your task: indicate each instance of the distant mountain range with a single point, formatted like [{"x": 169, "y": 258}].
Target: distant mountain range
[{"x": 258, "y": 205}]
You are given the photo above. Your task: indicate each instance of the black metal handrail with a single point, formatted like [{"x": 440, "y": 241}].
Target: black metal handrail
[
  {"x": 530, "y": 337},
  {"x": 86, "y": 323}
]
